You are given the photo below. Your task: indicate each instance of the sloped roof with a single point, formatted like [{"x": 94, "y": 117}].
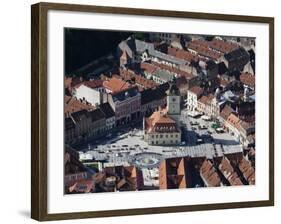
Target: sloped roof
[
  {"x": 107, "y": 110},
  {"x": 248, "y": 79},
  {"x": 116, "y": 85},
  {"x": 160, "y": 122}
]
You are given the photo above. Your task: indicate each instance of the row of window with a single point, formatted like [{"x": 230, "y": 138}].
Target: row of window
[
  {"x": 165, "y": 142},
  {"x": 166, "y": 136}
]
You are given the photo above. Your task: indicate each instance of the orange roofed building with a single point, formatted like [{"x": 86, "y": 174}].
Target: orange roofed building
[
  {"x": 115, "y": 85},
  {"x": 160, "y": 129},
  {"x": 163, "y": 126},
  {"x": 175, "y": 173}
]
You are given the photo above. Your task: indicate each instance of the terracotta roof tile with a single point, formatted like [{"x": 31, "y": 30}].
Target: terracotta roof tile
[
  {"x": 202, "y": 48},
  {"x": 182, "y": 54},
  {"x": 248, "y": 79},
  {"x": 159, "y": 121},
  {"x": 223, "y": 46},
  {"x": 116, "y": 85}
]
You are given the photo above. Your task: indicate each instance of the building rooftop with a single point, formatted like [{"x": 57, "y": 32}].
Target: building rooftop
[
  {"x": 247, "y": 170},
  {"x": 150, "y": 68},
  {"x": 226, "y": 111},
  {"x": 196, "y": 90},
  {"x": 248, "y": 79},
  {"x": 238, "y": 53},
  {"x": 202, "y": 48},
  {"x": 174, "y": 173},
  {"x": 223, "y": 45},
  {"x": 125, "y": 94},
  {"x": 96, "y": 115},
  {"x": 116, "y": 85},
  {"x": 118, "y": 178},
  {"x": 229, "y": 173},
  {"x": 209, "y": 175},
  {"x": 163, "y": 75},
  {"x": 72, "y": 105},
  {"x": 150, "y": 95},
  {"x": 182, "y": 54},
  {"x": 174, "y": 70},
  {"x": 160, "y": 122},
  {"x": 107, "y": 110}
]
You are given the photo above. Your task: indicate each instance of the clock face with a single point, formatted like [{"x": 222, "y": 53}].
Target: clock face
[{"x": 174, "y": 99}]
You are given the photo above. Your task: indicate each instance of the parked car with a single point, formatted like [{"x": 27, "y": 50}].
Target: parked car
[{"x": 219, "y": 130}]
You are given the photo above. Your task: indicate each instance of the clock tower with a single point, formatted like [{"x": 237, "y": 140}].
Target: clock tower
[{"x": 173, "y": 102}]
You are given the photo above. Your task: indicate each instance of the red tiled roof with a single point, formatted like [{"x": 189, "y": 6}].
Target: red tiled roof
[
  {"x": 202, "y": 48},
  {"x": 116, "y": 85},
  {"x": 223, "y": 46},
  {"x": 229, "y": 173},
  {"x": 209, "y": 173},
  {"x": 247, "y": 170},
  {"x": 159, "y": 121},
  {"x": 148, "y": 67},
  {"x": 226, "y": 111},
  {"x": 233, "y": 120},
  {"x": 72, "y": 105},
  {"x": 93, "y": 83},
  {"x": 140, "y": 81},
  {"x": 248, "y": 79},
  {"x": 182, "y": 54},
  {"x": 196, "y": 90}
]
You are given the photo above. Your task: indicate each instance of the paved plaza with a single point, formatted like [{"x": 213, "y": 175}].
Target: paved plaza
[{"x": 129, "y": 147}]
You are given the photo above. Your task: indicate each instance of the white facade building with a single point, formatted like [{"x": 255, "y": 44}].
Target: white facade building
[
  {"x": 86, "y": 93},
  {"x": 193, "y": 95}
]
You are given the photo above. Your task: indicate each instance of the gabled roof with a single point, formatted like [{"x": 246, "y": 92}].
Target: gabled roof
[
  {"x": 116, "y": 85},
  {"x": 107, "y": 110},
  {"x": 72, "y": 105},
  {"x": 209, "y": 174},
  {"x": 202, "y": 48},
  {"x": 160, "y": 122},
  {"x": 182, "y": 54},
  {"x": 223, "y": 46},
  {"x": 96, "y": 115}
]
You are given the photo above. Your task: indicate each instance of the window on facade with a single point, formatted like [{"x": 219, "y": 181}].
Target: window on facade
[
  {"x": 161, "y": 136},
  {"x": 163, "y": 142},
  {"x": 172, "y": 141},
  {"x": 156, "y": 142},
  {"x": 172, "y": 136},
  {"x": 152, "y": 136},
  {"x": 152, "y": 142},
  {"x": 156, "y": 136}
]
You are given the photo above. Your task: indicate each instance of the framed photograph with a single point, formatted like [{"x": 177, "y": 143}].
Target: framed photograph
[{"x": 139, "y": 111}]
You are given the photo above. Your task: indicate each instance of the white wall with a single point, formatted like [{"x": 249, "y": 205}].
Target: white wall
[
  {"x": 90, "y": 95},
  {"x": 15, "y": 111}
]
